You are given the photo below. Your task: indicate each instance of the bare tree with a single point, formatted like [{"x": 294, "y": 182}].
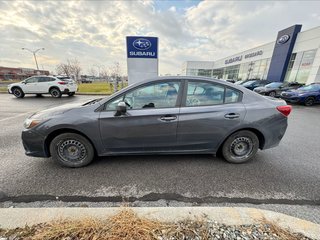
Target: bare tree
[
  {"x": 104, "y": 74},
  {"x": 71, "y": 68},
  {"x": 75, "y": 68},
  {"x": 92, "y": 72},
  {"x": 115, "y": 75},
  {"x": 63, "y": 69}
]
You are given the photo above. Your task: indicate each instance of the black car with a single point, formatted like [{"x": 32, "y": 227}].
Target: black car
[
  {"x": 274, "y": 89},
  {"x": 252, "y": 84}
]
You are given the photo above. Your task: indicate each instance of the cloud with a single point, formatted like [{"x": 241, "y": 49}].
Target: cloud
[{"x": 95, "y": 31}]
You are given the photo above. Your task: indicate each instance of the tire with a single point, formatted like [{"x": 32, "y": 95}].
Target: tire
[
  {"x": 70, "y": 94},
  {"x": 240, "y": 147},
  {"x": 272, "y": 94},
  {"x": 309, "y": 101},
  {"x": 71, "y": 150},
  {"x": 17, "y": 92},
  {"x": 55, "y": 92}
]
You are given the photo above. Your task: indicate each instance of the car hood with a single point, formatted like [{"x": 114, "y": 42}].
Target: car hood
[{"x": 45, "y": 114}]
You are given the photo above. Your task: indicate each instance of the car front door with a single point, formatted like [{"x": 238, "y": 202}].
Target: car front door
[
  {"x": 150, "y": 123},
  {"x": 208, "y": 113},
  {"x": 31, "y": 85}
]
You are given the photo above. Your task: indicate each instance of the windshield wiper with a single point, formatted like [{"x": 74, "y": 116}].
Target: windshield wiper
[{"x": 92, "y": 101}]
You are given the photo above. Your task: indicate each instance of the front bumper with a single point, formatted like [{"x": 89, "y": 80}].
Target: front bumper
[
  {"x": 34, "y": 144},
  {"x": 291, "y": 99}
]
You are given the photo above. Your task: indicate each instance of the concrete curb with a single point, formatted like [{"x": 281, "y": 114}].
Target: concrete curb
[{"x": 19, "y": 217}]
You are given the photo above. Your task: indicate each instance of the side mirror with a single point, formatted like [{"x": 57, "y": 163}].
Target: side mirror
[
  {"x": 24, "y": 82},
  {"x": 121, "y": 109}
]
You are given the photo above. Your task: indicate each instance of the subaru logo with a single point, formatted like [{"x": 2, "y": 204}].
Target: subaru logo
[
  {"x": 283, "y": 39},
  {"x": 142, "y": 44}
]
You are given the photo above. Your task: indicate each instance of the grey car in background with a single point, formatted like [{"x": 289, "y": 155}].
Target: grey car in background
[{"x": 166, "y": 115}]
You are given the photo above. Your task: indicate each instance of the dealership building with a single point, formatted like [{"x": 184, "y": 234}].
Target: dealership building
[{"x": 294, "y": 57}]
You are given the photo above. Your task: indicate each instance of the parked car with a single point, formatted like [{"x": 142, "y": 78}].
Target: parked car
[
  {"x": 252, "y": 84},
  {"x": 166, "y": 115},
  {"x": 84, "y": 80},
  {"x": 274, "y": 89},
  {"x": 241, "y": 82},
  {"x": 43, "y": 84},
  {"x": 307, "y": 95}
]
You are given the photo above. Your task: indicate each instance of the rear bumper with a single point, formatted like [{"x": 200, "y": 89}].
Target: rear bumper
[
  {"x": 275, "y": 132},
  {"x": 34, "y": 144}
]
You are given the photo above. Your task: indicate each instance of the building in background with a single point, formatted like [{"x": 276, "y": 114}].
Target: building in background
[
  {"x": 294, "y": 56},
  {"x": 7, "y": 73}
]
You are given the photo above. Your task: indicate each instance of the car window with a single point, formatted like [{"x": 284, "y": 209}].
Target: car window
[
  {"x": 32, "y": 80},
  {"x": 210, "y": 94},
  {"x": 311, "y": 87},
  {"x": 248, "y": 83},
  {"x": 157, "y": 95},
  {"x": 232, "y": 96},
  {"x": 46, "y": 79}
]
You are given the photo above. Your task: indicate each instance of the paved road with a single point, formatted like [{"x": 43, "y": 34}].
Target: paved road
[{"x": 288, "y": 174}]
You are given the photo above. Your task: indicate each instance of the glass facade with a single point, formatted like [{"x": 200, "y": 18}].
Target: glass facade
[
  {"x": 299, "y": 66},
  {"x": 245, "y": 71}
]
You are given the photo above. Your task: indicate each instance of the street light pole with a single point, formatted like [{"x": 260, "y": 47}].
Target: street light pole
[{"x": 34, "y": 54}]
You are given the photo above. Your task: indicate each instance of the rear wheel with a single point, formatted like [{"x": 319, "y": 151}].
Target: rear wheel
[
  {"x": 272, "y": 94},
  {"x": 309, "y": 101},
  {"x": 70, "y": 94},
  {"x": 71, "y": 150},
  {"x": 240, "y": 147},
  {"x": 17, "y": 92},
  {"x": 55, "y": 92}
]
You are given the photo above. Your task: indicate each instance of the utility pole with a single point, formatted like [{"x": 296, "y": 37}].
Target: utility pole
[{"x": 34, "y": 54}]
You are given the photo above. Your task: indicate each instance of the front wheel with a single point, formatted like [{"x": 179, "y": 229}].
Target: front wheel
[
  {"x": 240, "y": 147},
  {"x": 18, "y": 93},
  {"x": 70, "y": 94},
  {"x": 309, "y": 101},
  {"x": 71, "y": 150},
  {"x": 55, "y": 92}
]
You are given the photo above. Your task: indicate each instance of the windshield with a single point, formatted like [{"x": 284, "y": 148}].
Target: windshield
[
  {"x": 274, "y": 85},
  {"x": 312, "y": 87},
  {"x": 248, "y": 83}
]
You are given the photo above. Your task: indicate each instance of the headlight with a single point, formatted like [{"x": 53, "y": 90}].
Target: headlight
[{"x": 29, "y": 123}]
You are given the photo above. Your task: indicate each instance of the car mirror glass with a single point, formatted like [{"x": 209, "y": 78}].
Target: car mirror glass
[{"x": 121, "y": 109}]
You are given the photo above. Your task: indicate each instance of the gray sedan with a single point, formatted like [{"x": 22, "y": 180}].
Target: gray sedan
[{"x": 169, "y": 115}]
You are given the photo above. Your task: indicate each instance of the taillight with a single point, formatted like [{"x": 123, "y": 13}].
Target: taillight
[
  {"x": 63, "y": 83},
  {"x": 285, "y": 110}
]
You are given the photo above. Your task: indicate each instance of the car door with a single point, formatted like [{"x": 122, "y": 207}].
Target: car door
[
  {"x": 31, "y": 85},
  {"x": 150, "y": 123},
  {"x": 44, "y": 83},
  {"x": 209, "y": 112}
]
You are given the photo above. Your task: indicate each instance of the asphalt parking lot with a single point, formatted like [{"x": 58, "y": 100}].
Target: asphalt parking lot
[{"x": 288, "y": 174}]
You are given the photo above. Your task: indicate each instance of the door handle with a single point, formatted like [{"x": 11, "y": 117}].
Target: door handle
[
  {"x": 168, "y": 118},
  {"x": 232, "y": 115}
]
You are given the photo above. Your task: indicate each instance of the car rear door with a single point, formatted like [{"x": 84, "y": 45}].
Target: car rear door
[
  {"x": 45, "y": 83},
  {"x": 150, "y": 123},
  {"x": 208, "y": 113}
]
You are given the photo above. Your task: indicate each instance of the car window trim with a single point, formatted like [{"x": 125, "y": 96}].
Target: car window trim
[
  {"x": 178, "y": 101},
  {"x": 184, "y": 98}
]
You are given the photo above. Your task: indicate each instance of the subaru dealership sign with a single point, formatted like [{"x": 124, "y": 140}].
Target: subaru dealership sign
[
  {"x": 142, "y": 58},
  {"x": 142, "y": 47}
]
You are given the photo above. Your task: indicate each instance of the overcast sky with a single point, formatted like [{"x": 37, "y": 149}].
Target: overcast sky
[{"x": 95, "y": 31}]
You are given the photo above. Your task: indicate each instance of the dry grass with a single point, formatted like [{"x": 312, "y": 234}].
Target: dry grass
[{"x": 128, "y": 226}]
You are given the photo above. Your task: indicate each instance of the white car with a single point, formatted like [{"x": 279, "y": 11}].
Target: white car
[{"x": 56, "y": 86}]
